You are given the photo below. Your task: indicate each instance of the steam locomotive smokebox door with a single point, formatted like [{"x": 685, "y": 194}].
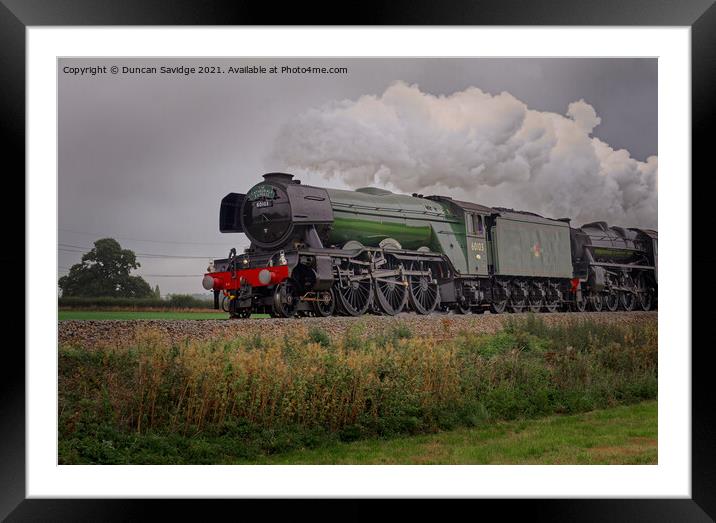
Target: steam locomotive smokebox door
[{"x": 230, "y": 213}]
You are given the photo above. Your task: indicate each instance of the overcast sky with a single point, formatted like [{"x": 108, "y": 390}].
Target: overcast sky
[{"x": 146, "y": 158}]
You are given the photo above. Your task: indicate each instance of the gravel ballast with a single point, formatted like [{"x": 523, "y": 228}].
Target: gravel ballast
[{"x": 89, "y": 333}]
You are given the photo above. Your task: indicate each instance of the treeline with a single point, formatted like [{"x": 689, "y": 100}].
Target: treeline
[{"x": 175, "y": 301}]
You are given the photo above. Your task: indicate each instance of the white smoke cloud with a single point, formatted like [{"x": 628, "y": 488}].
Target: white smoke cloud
[{"x": 490, "y": 149}]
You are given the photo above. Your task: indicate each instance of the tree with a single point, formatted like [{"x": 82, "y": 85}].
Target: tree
[
  {"x": 157, "y": 293},
  {"x": 104, "y": 271}
]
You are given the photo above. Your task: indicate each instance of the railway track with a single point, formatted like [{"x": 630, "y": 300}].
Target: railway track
[{"x": 121, "y": 333}]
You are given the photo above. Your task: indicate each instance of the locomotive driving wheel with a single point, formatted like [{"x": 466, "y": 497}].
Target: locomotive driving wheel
[
  {"x": 627, "y": 300},
  {"x": 325, "y": 304},
  {"x": 423, "y": 291},
  {"x": 611, "y": 301},
  {"x": 596, "y": 302},
  {"x": 391, "y": 292},
  {"x": 354, "y": 295},
  {"x": 645, "y": 296},
  {"x": 580, "y": 302}
]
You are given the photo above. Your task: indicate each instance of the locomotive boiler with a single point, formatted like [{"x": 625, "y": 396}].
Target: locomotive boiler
[{"x": 319, "y": 251}]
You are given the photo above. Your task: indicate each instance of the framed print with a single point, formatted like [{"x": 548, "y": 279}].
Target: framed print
[{"x": 426, "y": 242}]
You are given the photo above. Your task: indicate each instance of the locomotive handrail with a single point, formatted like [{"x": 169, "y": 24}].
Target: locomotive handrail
[
  {"x": 417, "y": 216},
  {"x": 614, "y": 247},
  {"x": 390, "y": 209}
]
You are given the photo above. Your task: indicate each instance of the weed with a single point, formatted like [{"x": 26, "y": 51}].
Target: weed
[
  {"x": 272, "y": 395},
  {"x": 319, "y": 336}
]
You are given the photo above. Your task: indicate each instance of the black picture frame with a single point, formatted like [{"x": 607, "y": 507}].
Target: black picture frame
[{"x": 16, "y": 15}]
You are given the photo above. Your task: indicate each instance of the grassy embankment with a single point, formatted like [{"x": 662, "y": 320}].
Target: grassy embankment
[
  {"x": 176, "y": 301},
  {"x": 140, "y": 315},
  {"x": 176, "y": 307},
  {"x": 146, "y": 315},
  {"x": 256, "y": 400},
  {"x": 625, "y": 435}
]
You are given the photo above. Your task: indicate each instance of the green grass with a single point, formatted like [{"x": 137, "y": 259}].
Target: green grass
[
  {"x": 620, "y": 435},
  {"x": 145, "y": 315},
  {"x": 624, "y": 435}
]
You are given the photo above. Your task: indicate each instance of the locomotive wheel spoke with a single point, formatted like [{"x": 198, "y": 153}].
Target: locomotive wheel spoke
[
  {"x": 423, "y": 293},
  {"x": 499, "y": 299},
  {"x": 552, "y": 299},
  {"x": 390, "y": 292},
  {"x": 355, "y": 297},
  {"x": 596, "y": 303},
  {"x": 535, "y": 299},
  {"x": 517, "y": 307},
  {"x": 580, "y": 305},
  {"x": 551, "y": 306},
  {"x": 325, "y": 307},
  {"x": 611, "y": 301},
  {"x": 645, "y": 300},
  {"x": 627, "y": 300},
  {"x": 225, "y": 304},
  {"x": 517, "y": 299},
  {"x": 284, "y": 300}
]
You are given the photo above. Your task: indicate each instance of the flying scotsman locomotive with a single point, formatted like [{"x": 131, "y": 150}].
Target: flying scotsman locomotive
[{"x": 317, "y": 251}]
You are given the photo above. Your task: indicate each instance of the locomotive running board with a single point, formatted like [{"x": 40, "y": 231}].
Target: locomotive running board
[{"x": 621, "y": 265}]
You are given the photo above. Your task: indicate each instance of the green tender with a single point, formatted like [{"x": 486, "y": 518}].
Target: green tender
[{"x": 527, "y": 245}]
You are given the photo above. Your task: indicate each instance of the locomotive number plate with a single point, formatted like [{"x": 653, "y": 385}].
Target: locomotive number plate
[{"x": 263, "y": 203}]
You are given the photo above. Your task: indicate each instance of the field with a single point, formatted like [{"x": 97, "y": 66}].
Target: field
[
  {"x": 619, "y": 435},
  {"x": 73, "y": 314},
  {"x": 507, "y": 389},
  {"x": 83, "y": 315}
]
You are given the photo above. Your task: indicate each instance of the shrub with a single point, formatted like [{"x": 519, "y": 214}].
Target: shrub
[
  {"x": 176, "y": 301},
  {"x": 319, "y": 336}
]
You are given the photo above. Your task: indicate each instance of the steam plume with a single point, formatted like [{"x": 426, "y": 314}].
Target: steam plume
[{"x": 490, "y": 149}]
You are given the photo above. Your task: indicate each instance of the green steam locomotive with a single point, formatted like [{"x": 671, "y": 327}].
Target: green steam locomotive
[{"x": 317, "y": 251}]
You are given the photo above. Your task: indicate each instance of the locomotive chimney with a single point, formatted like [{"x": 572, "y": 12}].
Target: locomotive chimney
[{"x": 279, "y": 177}]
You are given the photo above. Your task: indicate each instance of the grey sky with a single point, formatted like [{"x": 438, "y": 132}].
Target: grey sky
[{"x": 149, "y": 157}]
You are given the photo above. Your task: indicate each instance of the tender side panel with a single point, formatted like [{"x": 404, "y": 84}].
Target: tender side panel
[{"x": 524, "y": 247}]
